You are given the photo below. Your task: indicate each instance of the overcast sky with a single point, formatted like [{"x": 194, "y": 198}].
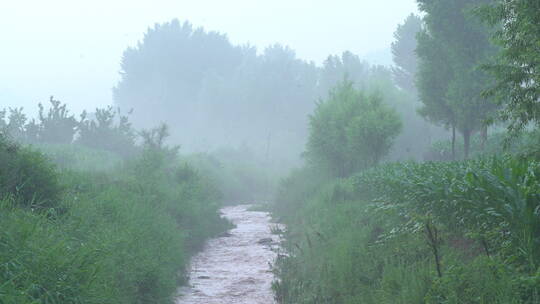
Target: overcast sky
[{"x": 71, "y": 48}]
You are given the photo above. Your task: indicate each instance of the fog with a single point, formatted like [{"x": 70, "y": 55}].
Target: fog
[
  {"x": 72, "y": 49},
  {"x": 237, "y": 79},
  {"x": 306, "y": 151}
]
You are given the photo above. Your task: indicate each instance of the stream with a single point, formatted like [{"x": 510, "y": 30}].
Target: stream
[{"x": 235, "y": 267}]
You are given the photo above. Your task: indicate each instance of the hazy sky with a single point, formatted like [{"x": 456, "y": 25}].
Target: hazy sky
[{"x": 71, "y": 48}]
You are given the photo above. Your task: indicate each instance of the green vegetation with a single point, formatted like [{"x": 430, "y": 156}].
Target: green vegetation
[
  {"x": 240, "y": 176},
  {"x": 434, "y": 232},
  {"x": 121, "y": 234},
  {"x": 451, "y": 47},
  {"x": 388, "y": 207},
  {"x": 414, "y": 233},
  {"x": 404, "y": 53},
  {"x": 350, "y": 131},
  {"x": 28, "y": 176},
  {"x": 497, "y": 143},
  {"x": 517, "y": 68}
]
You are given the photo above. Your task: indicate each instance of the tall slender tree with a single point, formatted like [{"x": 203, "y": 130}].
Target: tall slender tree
[
  {"x": 451, "y": 47},
  {"x": 404, "y": 53}
]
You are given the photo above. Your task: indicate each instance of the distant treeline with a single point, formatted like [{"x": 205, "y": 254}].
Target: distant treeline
[
  {"x": 213, "y": 93},
  {"x": 106, "y": 129}
]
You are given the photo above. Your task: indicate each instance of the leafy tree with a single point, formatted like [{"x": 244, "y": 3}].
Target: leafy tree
[
  {"x": 17, "y": 127},
  {"x": 14, "y": 127},
  {"x": 28, "y": 176},
  {"x": 57, "y": 126},
  {"x": 109, "y": 130},
  {"x": 166, "y": 70},
  {"x": 451, "y": 47},
  {"x": 153, "y": 142},
  {"x": 404, "y": 53},
  {"x": 348, "y": 65},
  {"x": 517, "y": 69},
  {"x": 351, "y": 131}
]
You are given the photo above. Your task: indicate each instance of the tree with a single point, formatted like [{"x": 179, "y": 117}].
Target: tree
[
  {"x": 517, "y": 70},
  {"x": 57, "y": 126},
  {"x": 404, "y": 53},
  {"x": 165, "y": 72},
  {"x": 451, "y": 48},
  {"x": 14, "y": 126},
  {"x": 350, "y": 131},
  {"x": 109, "y": 130}
]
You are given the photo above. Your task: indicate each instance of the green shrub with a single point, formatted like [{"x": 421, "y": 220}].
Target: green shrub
[
  {"x": 462, "y": 232},
  {"x": 28, "y": 176},
  {"x": 351, "y": 131},
  {"x": 41, "y": 263},
  {"x": 125, "y": 235}
]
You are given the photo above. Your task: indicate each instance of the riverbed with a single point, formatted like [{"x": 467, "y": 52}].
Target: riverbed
[{"x": 235, "y": 267}]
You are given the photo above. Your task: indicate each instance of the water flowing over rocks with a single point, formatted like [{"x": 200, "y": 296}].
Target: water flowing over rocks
[{"x": 236, "y": 266}]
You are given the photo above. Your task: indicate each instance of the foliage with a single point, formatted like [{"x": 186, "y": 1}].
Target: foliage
[
  {"x": 451, "y": 47},
  {"x": 497, "y": 143},
  {"x": 351, "y": 131},
  {"x": 517, "y": 68},
  {"x": 57, "y": 126},
  {"x": 125, "y": 235},
  {"x": 240, "y": 175},
  {"x": 404, "y": 53},
  {"x": 14, "y": 125},
  {"x": 259, "y": 99},
  {"x": 109, "y": 131},
  {"x": 77, "y": 157},
  {"x": 243, "y": 98},
  {"x": 415, "y": 233},
  {"x": 27, "y": 175}
]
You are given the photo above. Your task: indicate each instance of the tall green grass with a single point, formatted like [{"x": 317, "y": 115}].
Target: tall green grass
[
  {"x": 122, "y": 235},
  {"x": 461, "y": 232}
]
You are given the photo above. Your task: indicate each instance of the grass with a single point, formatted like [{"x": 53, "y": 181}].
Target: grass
[
  {"x": 461, "y": 232},
  {"x": 113, "y": 236}
]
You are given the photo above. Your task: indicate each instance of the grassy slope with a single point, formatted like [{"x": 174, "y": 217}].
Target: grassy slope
[
  {"x": 122, "y": 235},
  {"x": 376, "y": 237}
]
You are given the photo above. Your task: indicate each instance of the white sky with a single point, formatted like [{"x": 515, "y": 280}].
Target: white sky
[{"x": 72, "y": 48}]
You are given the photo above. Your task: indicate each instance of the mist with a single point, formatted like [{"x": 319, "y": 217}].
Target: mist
[
  {"x": 273, "y": 152},
  {"x": 73, "y": 51},
  {"x": 249, "y": 83}
]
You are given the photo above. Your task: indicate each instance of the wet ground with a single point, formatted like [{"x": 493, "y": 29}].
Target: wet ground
[{"x": 234, "y": 268}]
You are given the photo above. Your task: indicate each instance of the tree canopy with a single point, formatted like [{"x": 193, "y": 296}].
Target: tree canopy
[
  {"x": 404, "y": 53},
  {"x": 260, "y": 99},
  {"x": 517, "y": 68},
  {"x": 451, "y": 47},
  {"x": 351, "y": 131}
]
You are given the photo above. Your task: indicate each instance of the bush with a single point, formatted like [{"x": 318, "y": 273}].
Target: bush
[
  {"x": 351, "y": 131},
  {"x": 461, "y": 232},
  {"x": 28, "y": 176},
  {"x": 109, "y": 130},
  {"x": 125, "y": 235}
]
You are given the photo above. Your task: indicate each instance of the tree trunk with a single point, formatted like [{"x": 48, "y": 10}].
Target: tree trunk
[
  {"x": 483, "y": 135},
  {"x": 434, "y": 242},
  {"x": 453, "y": 142},
  {"x": 467, "y": 142}
]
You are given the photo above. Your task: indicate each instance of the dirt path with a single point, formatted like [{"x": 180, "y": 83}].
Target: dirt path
[{"x": 234, "y": 268}]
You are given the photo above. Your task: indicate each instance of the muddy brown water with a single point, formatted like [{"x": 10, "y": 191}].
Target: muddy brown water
[{"x": 234, "y": 268}]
